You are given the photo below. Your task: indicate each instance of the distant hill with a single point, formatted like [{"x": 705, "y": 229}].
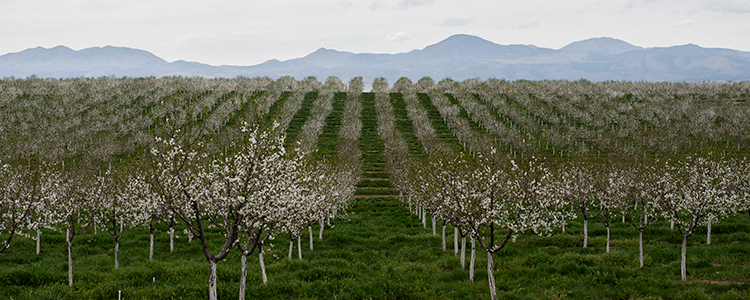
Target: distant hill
[
  {"x": 603, "y": 46},
  {"x": 459, "y": 57}
]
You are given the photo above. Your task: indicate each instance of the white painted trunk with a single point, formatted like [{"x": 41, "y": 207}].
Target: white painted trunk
[
  {"x": 38, "y": 241},
  {"x": 212, "y": 280},
  {"x": 473, "y": 258},
  {"x": 708, "y": 234},
  {"x": 563, "y": 226},
  {"x": 190, "y": 237},
  {"x": 433, "y": 226},
  {"x": 623, "y": 218},
  {"x": 607, "y": 239},
  {"x": 444, "y": 244},
  {"x": 463, "y": 252},
  {"x": 117, "y": 255},
  {"x": 299, "y": 248},
  {"x": 320, "y": 233},
  {"x": 640, "y": 246},
  {"x": 585, "y": 233},
  {"x": 491, "y": 277},
  {"x": 70, "y": 257},
  {"x": 243, "y": 276},
  {"x": 455, "y": 241},
  {"x": 671, "y": 225},
  {"x": 262, "y": 266},
  {"x": 424, "y": 218},
  {"x": 291, "y": 247},
  {"x": 309, "y": 228},
  {"x": 151, "y": 247},
  {"x": 171, "y": 239},
  {"x": 683, "y": 266}
]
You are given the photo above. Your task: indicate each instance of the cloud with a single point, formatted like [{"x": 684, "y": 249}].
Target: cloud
[
  {"x": 674, "y": 24},
  {"x": 398, "y": 37},
  {"x": 639, "y": 3},
  {"x": 404, "y": 4},
  {"x": 530, "y": 23},
  {"x": 684, "y": 23},
  {"x": 376, "y": 5},
  {"x": 733, "y": 7},
  {"x": 456, "y": 21},
  {"x": 344, "y": 4}
]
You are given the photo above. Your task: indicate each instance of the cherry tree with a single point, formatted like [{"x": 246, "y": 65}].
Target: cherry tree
[
  {"x": 251, "y": 186},
  {"x": 637, "y": 190},
  {"x": 67, "y": 193},
  {"x": 19, "y": 200},
  {"x": 579, "y": 186},
  {"x": 115, "y": 209},
  {"x": 514, "y": 199},
  {"x": 695, "y": 192},
  {"x": 186, "y": 187},
  {"x": 148, "y": 206}
]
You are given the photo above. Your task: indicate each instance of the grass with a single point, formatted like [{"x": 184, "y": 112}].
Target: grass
[{"x": 383, "y": 252}]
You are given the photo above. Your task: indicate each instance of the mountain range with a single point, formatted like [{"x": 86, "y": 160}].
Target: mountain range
[{"x": 458, "y": 57}]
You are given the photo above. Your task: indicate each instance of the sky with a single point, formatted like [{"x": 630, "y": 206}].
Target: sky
[{"x": 228, "y": 32}]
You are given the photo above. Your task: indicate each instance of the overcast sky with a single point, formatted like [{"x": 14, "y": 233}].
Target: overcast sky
[{"x": 250, "y": 32}]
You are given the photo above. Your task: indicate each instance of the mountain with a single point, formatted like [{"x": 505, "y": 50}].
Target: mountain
[
  {"x": 458, "y": 57},
  {"x": 602, "y": 45}
]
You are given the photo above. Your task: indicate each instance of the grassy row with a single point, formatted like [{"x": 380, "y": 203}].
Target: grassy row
[{"x": 382, "y": 252}]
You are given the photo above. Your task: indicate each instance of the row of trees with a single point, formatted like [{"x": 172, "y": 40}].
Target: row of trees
[
  {"x": 492, "y": 196},
  {"x": 249, "y": 189},
  {"x": 256, "y": 190},
  {"x": 110, "y": 117}
]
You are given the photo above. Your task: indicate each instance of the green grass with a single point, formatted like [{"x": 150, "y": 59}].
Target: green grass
[{"x": 383, "y": 252}]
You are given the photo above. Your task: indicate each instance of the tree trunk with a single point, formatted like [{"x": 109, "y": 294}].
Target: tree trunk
[
  {"x": 70, "y": 257},
  {"x": 38, "y": 241},
  {"x": 640, "y": 245},
  {"x": 243, "y": 276},
  {"x": 117, "y": 254},
  {"x": 473, "y": 258},
  {"x": 118, "y": 237},
  {"x": 455, "y": 241},
  {"x": 320, "y": 234},
  {"x": 309, "y": 228},
  {"x": 563, "y": 225},
  {"x": 463, "y": 252},
  {"x": 299, "y": 248},
  {"x": 585, "y": 232},
  {"x": 262, "y": 266},
  {"x": 708, "y": 234},
  {"x": 491, "y": 277},
  {"x": 683, "y": 267},
  {"x": 151, "y": 247},
  {"x": 433, "y": 226},
  {"x": 291, "y": 247},
  {"x": 671, "y": 225},
  {"x": 212, "y": 280},
  {"x": 444, "y": 246},
  {"x": 607, "y": 239},
  {"x": 623, "y": 218},
  {"x": 171, "y": 239},
  {"x": 424, "y": 218}
]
